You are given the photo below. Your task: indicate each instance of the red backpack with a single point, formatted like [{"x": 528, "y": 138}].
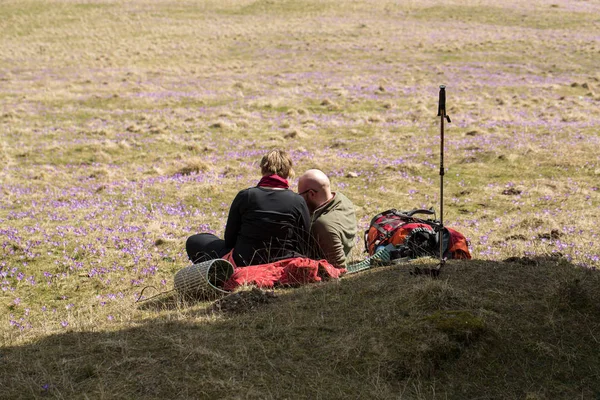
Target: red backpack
[{"x": 414, "y": 237}]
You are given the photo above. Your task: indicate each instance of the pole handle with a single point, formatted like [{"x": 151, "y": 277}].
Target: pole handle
[{"x": 442, "y": 102}]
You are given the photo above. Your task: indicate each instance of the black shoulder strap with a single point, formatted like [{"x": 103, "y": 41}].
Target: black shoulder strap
[{"x": 427, "y": 211}]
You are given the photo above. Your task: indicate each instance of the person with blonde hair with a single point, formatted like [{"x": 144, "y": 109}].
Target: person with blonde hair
[
  {"x": 333, "y": 220},
  {"x": 266, "y": 223}
]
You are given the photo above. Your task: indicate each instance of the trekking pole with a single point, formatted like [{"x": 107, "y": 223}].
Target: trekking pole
[{"x": 442, "y": 115}]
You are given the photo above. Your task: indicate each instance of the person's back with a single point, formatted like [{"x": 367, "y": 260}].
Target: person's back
[{"x": 266, "y": 225}]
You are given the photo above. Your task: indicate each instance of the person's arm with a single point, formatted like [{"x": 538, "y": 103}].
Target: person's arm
[
  {"x": 304, "y": 229},
  {"x": 234, "y": 219},
  {"x": 330, "y": 244}
]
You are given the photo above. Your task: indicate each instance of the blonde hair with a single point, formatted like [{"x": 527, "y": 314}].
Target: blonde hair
[{"x": 277, "y": 162}]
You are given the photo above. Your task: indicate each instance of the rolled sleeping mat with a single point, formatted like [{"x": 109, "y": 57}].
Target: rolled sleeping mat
[
  {"x": 204, "y": 279},
  {"x": 380, "y": 256}
]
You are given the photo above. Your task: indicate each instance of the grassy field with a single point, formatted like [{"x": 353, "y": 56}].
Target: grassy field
[{"x": 126, "y": 126}]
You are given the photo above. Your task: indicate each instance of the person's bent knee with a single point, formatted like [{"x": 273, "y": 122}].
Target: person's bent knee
[
  {"x": 193, "y": 247},
  {"x": 204, "y": 246}
]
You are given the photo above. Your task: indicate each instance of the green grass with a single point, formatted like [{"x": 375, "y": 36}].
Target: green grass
[
  {"x": 288, "y": 8},
  {"x": 454, "y": 337},
  {"x": 537, "y": 18}
]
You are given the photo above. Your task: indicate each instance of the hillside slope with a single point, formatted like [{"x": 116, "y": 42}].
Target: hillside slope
[{"x": 524, "y": 329}]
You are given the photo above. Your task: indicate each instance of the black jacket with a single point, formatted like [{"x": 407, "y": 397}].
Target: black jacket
[{"x": 266, "y": 225}]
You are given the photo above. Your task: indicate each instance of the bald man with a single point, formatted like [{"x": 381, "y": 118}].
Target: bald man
[{"x": 333, "y": 221}]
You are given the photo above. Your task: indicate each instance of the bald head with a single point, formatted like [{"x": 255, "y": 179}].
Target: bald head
[
  {"x": 315, "y": 187},
  {"x": 315, "y": 179}
]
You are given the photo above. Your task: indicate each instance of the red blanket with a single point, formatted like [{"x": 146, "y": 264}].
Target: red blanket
[{"x": 293, "y": 272}]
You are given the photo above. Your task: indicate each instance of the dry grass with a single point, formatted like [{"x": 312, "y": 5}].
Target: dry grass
[{"x": 126, "y": 126}]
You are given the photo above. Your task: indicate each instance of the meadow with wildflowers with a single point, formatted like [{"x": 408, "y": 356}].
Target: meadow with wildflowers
[{"x": 126, "y": 126}]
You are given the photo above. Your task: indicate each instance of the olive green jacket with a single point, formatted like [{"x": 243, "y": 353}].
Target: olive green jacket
[{"x": 333, "y": 229}]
